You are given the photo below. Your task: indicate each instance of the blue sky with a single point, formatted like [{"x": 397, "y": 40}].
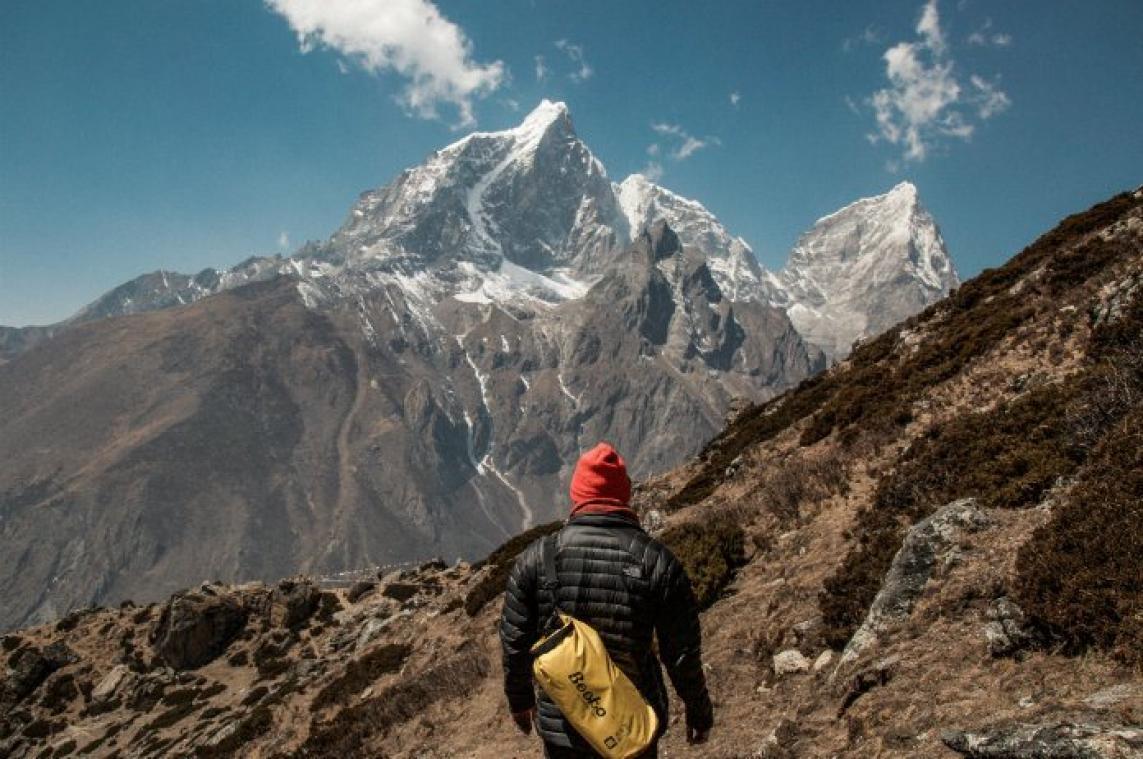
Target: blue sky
[{"x": 137, "y": 135}]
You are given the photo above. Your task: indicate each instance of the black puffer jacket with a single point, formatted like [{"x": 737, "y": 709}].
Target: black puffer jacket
[{"x": 626, "y": 585}]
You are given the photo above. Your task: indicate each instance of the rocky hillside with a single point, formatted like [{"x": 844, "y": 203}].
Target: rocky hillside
[{"x": 930, "y": 550}]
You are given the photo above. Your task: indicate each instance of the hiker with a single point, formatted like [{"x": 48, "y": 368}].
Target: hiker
[{"x": 626, "y": 585}]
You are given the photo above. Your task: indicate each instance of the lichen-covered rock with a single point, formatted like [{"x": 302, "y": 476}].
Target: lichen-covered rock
[
  {"x": 1063, "y": 740},
  {"x": 1007, "y": 633},
  {"x": 790, "y": 663},
  {"x": 926, "y": 543},
  {"x": 195, "y": 627}
]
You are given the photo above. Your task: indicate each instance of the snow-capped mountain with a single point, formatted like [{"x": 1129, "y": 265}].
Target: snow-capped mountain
[
  {"x": 731, "y": 260},
  {"x": 418, "y": 384},
  {"x": 862, "y": 269}
]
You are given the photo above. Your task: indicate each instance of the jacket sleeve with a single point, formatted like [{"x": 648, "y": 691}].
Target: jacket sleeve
[
  {"x": 519, "y": 630},
  {"x": 680, "y": 640}
]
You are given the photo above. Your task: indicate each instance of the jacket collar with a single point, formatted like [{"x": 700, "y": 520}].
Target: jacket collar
[{"x": 619, "y": 521}]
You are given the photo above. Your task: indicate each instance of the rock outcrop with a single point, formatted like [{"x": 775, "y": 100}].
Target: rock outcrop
[{"x": 926, "y": 545}]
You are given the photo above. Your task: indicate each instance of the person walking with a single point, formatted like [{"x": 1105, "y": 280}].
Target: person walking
[{"x": 626, "y": 585}]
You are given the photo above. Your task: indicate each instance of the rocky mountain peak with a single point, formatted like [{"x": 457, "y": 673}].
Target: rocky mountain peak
[{"x": 863, "y": 268}]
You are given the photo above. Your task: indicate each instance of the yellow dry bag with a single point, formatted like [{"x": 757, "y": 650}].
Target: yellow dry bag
[{"x": 595, "y": 696}]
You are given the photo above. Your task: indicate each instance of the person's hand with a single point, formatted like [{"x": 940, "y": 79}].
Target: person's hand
[
  {"x": 524, "y": 720},
  {"x": 696, "y": 735}
]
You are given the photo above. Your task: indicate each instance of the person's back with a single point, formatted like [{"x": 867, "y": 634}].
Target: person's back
[{"x": 626, "y": 585}]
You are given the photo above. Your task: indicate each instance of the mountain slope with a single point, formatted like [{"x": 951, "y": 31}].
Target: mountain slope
[{"x": 377, "y": 428}]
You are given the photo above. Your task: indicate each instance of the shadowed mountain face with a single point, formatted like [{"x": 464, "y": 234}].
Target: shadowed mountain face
[{"x": 250, "y": 436}]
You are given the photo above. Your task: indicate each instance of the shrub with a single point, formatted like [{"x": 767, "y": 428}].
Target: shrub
[
  {"x": 501, "y": 560},
  {"x": 1080, "y": 576},
  {"x": 710, "y": 550},
  {"x": 787, "y": 487},
  {"x": 361, "y": 673}
]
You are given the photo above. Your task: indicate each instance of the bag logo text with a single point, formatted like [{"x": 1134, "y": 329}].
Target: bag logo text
[{"x": 591, "y": 699}]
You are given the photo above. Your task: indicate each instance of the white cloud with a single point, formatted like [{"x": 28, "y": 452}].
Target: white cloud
[
  {"x": 541, "y": 69},
  {"x": 574, "y": 53},
  {"x": 870, "y": 35},
  {"x": 925, "y": 101},
  {"x": 735, "y": 98},
  {"x": 653, "y": 171},
  {"x": 685, "y": 144},
  {"x": 409, "y": 37},
  {"x": 690, "y": 146},
  {"x": 985, "y": 37},
  {"x": 988, "y": 99},
  {"x": 283, "y": 240}
]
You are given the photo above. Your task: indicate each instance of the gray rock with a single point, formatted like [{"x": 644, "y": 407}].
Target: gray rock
[
  {"x": 790, "y": 662},
  {"x": 293, "y": 602},
  {"x": 1007, "y": 633},
  {"x": 194, "y": 628},
  {"x": 110, "y": 683},
  {"x": 1116, "y": 694},
  {"x": 926, "y": 543},
  {"x": 825, "y": 658},
  {"x": 1063, "y": 740}
]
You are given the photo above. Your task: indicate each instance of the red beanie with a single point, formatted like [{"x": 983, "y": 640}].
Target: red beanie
[{"x": 601, "y": 480}]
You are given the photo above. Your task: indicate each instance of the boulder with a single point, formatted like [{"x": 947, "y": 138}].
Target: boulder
[
  {"x": 825, "y": 658},
  {"x": 927, "y": 543},
  {"x": 27, "y": 668},
  {"x": 400, "y": 591},
  {"x": 195, "y": 627},
  {"x": 359, "y": 590},
  {"x": 293, "y": 602},
  {"x": 1007, "y": 633},
  {"x": 110, "y": 683},
  {"x": 1060, "y": 740},
  {"x": 790, "y": 662}
]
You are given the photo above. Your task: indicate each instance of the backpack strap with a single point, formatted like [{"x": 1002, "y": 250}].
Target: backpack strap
[
  {"x": 638, "y": 546},
  {"x": 551, "y": 581}
]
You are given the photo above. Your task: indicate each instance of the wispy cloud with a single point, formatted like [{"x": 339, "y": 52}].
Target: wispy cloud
[
  {"x": 583, "y": 70},
  {"x": 685, "y": 144},
  {"x": 541, "y": 68},
  {"x": 408, "y": 37},
  {"x": 653, "y": 171},
  {"x": 925, "y": 101},
  {"x": 283, "y": 240},
  {"x": 870, "y": 35},
  {"x": 989, "y": 99},
  {"x": 735, "y": 99},
  {"x": 986, "y": 37}
]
